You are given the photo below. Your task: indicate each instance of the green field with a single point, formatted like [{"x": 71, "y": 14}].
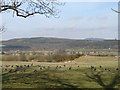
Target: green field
[{"x": 70, "y": 74}]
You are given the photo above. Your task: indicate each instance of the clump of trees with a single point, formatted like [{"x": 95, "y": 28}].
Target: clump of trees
[
  {"x": 40, "y": 57},
  {"x": 62, "y": 57}
]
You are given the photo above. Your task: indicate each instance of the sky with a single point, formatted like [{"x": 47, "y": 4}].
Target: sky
[{"x": 78, "y": 20}]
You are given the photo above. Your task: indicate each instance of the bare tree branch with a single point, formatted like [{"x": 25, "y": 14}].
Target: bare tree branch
[
  {"x": 115, "y": 11},
  {"x": 25, "y": 8},
  {"x": 2, "y": 28}
]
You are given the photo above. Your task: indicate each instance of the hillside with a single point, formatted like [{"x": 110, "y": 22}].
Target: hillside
[{"x": 42, "y": 43}]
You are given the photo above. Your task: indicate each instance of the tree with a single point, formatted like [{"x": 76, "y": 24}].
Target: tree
[
  {"x": 23, "y": 57},
  {"x": 26, "y": 8}
]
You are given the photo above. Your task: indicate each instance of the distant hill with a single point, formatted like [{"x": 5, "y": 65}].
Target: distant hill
[
  {"x": 42, "y": 43},
  {"x": 95, "y": 39}
]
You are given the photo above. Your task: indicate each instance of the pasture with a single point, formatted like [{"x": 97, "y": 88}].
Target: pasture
[{"x": 66, "y": 74}]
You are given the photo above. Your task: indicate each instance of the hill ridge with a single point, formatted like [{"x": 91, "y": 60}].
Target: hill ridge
[{"x": 52, "y": 43}]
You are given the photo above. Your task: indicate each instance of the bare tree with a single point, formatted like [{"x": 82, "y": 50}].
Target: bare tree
[{"x": 26, "y": 8}]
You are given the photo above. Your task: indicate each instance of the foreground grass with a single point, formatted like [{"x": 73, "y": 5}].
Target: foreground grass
[
  {"x": 48, "y": 79},
  {"x": 60, "y": 75}
]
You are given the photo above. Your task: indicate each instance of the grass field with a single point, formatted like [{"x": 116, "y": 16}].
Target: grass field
[{"x": 70, "y": 74}]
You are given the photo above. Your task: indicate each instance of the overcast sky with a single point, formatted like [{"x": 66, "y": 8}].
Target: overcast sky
[{"x": 77, "y": 21}]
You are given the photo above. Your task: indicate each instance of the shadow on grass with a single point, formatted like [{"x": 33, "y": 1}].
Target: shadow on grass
[
  {"x": 97, "y": 75},
  {"x": 44, "y": 79}
]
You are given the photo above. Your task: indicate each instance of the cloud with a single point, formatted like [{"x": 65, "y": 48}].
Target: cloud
[
  {"x": 103, "y": 27},
  {"x": 97, "y": 18},
  {"x": 102, "y": 17}
]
